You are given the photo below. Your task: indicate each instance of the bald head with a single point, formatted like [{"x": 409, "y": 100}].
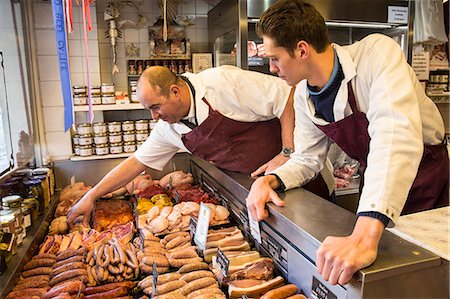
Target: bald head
[{"x": 159, "y": 77}]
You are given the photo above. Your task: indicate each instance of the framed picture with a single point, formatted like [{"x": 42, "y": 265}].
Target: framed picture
[{"x": 201, "y": 61}]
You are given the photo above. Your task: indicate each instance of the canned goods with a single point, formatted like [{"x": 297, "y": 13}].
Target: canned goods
[
  {"x": 138, "y": 144},
  {"x": 128, "y": 125},
  {"x": 99, "y": 128},
  {"x": 8, "y": 224},
  {"x": 96, "y": 99},
  {"x": 141, "y": 125},
  {"x": 76, "y": 150},
  {"x": 79, "y": 99},
  {"x": 129, "y": 147},
  {"x": 115, "y": 137},
  {"x": 108, "y": 99},
  {"x": 85, "y": 139},
  {"x": 107, "y": 88},
  {"x": 141, "y": 135},
  {"x": 116, "y": 148},
  {"x": 152, "y": 124},
  {"x": 114, "y": 126},
  {"x": 101, "y": 149},
  {"x": 85, "y": 150},
  {"x": 83, "y": 129},
  {"x": 79, "y": 89},
  {"x": 133, "y": 97},
  {"x": 76, "y": 139},
  {"x": 129, "y": 136},
  {"x": 101, "y": 139},
  {"x": 11, "y": 202},
  {"x": 96, "y": 90}
]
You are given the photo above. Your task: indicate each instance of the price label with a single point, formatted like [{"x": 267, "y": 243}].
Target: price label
[
  {"x": 244, "y": 296},
  {"x": 201, "y": 231},
  {"x": 223, "y": 262},
  {"x": 154, "y": 278},
  {"x": 192, "y": 226},
  {"x": 319, "y": 291},
  {"x": 254, "y": 228}
]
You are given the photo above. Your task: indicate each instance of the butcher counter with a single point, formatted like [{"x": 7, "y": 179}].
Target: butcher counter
[{"x": 291, "y": 235}]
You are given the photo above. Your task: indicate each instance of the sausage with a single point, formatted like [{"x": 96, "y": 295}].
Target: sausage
[
  {"x": 166, "y": 288},
  {"x": 71, "y": 287},
  {"x": 37, "y": 263},
  {"x": 188, "y": 277},
  {"x": 175, "y": 242},
  {"x": 193, "y": 267},
  {"x": 67, "y": 275},
  {"x": 162, "y": 279},
  {"x": 39, "y": 281},
  {"x": 184, "y": 246},
  {"x": 117, "y": 292},
  {"x": 67, "y": 267},
  {"x": 89, "y": 256},
  {"x": 82, "y": 278},
  {"x": 177, "y": 263},
  {"x": 107, "y": 256},
  {"x": 70, "y": 253},
  {"x": 131, "y": 259},
  {"x": 160, "y": 260},
  {"x": 211, "y": 296},
  {"x": 154, "y": 244},
  {"x": 171, "y": 236},
  {"x": 73, "y": 259},
  {"x": 122, "y": 255},
  {"x": 108, "y": 287},
  {"x": 94, "y": 275},
  {"x": 185, "y": 253},
  {"x": 37, "y": 271},
  {"x": 171, "y": 295},
  {"x": 26, "y": 292},
  {"x": 44, "y": 256},
  {"x": 198, "y": 284},
  {"x": 281, "y": 292},
  {"x": 297, "y": 296},
  {"x": 211, "y": 290},
  {"x": 149, "y": 269}
]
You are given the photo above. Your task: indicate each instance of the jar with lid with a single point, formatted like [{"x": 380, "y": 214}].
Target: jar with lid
[
  {"x": 86, "y": 151},
  {"x": 152, "y": 124},
  {"x": 51, "y": 177},
  {"x": 141, "y": 135},
  {"x": 115, "y": 137},
  {"x": 138, "y": 144},
  {"x": 8, "y": 223},
  {"x": 45, "y": 187},
  {"x": 116, "y": 148},
  {"x": 141, "y": 125},
  {"x": 129, "y": 136},
  {"x": 20, "y": 225},
  {"x": 76, "y": 150},
  {"x": 26, "y": 212},
  {"x": 10, "y": 187},
  {"x": 85, "y": 139},
  {"x": 96, "y": 99},
  {"x": 96, "y": 90},
  {"x": 11, "y": 202},
  {"x": 79, "y": 99},
  {"x": 79, "y": 89},
  {"x": 128, "y": 125},
  {"x": 8, "y": 244},
  {"x": 76, "y": 139},
  {"x": 107, "y": 88},
  {"x": 129, "y": 147},
  {"x": 101, "y": 149},
  {"x": 99, "y": 128},
  {"x": 34, "y": 205},
  {"x": 114, "y": 126},
  {"x": 35, "y": 192},
  {"x": 108, "y": 99},
  {"x": 83, "y": 129},
  {"x": 101, "y": 138}
]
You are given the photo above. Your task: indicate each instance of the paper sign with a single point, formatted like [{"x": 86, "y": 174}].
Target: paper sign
[
  {"x": 254, "y": 228},
  {"x": 421, "y": 66},
  {"x": 398, "y": 14},
  {"x": 201, "y": 231}
]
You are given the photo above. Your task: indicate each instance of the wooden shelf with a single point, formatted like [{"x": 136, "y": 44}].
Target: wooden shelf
[
  {"x": 95, "y": 157},
  {"x": 132, "y": 106}
]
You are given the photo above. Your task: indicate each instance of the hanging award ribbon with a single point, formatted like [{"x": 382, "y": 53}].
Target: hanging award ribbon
[
  {"x": 87, "y": 26},
  {"x": 63, "y": 61}
]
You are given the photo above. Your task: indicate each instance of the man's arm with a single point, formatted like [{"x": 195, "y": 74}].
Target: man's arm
[
  {"x": 287, "y": 120},
  {"x": 119, "y": 176}
]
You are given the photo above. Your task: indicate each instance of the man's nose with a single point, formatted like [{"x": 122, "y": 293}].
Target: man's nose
[
  {"x": 272, "y": 67},
  {"x": 155, "y": 115}
]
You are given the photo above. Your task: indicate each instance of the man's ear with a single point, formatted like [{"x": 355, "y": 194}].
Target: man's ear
[
  {"x": 175, "y": 89},
  {"x": 302, "y": 49}
]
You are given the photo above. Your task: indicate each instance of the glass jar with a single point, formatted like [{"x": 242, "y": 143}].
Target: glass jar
[
  {"x": 45, "y": 188},
  {"x": 138, "y": 144},
  {"x": 26, "y": 212},
  {"x": 114, "y": 126},
  {"x": 141, "y": 135},
  {"x": 76, "y": 150},
  {"x": 108, "y": 99},
  {"x": 85, "y": 139},
  {"x": 76, "y": 139},
  {"x": 100, "y": 128},
  {"x": 33, "y": 203},
  {"x": 96, "y": 99},
  {"x": 96, "y": 90},
  {"x": 101, "y": 138},
  {"x": 86, "y": 151},
  {"x": 152, "y": 124},
  {"x": 79, "y": 99},
  {"x": 11, "y": 202},
  {"x": 20, "y": 225},
  {"x": 128, "y": 125},
  {"x": 8, "y": 223},
  {"x": 129, "y": 147},
  {"x": 79, "y": 89},
  {"x": 83, "y": 129},
  {"x": 35, "y": 191},
  {"x": 115, "y": 137},
  {"x": 101, "y": 149},
  {"x": 141, "y": 125},
  {"x": 107, "y": 88},
  {"x": 116, "y": 148},
  {"x": 129, "y": 136},
  {"x": 10, "y": 187}
]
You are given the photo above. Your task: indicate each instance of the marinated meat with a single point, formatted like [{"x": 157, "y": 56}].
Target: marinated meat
[{"x": 111, "y": 212}]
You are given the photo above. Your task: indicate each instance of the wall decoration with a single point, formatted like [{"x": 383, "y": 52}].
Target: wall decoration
[
  {"x": 201, "y": 61},
  {"x": 131, "y": 50}
]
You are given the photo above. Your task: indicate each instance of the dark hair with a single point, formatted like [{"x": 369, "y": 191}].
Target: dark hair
[
  {"x": 289, "y": 21},
  {"x": 159, "y": 76}
]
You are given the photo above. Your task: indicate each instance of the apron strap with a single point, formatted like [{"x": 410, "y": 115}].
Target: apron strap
[
  {"x": 352, "y": 98},
  {"x": 189, "y": 124}
]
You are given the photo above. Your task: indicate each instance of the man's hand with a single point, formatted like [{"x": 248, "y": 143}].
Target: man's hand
[
  {"x": 273, "y": 164},
  {"x": 338, "y": 258},
  {"x": 83, "y": 208},
  {"x": 262, "y": 192}
]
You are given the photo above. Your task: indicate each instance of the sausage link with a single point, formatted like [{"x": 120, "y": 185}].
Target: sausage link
[
  {"x": 44, "y": 256},
  {"x": 114, "y": 293},
  {"x": 198, "y": 284},
  {"x": 67, "y": 275},
  {"x": 188, "y": 277},
  {"x": 211, "y": 290},
  {"x": 69, "y": 253},
  {"x": 177, "y": 263},
  {"x": 26, "y": 292},
  {"x": 67, "y": 267},
  {"x": 37, "y": 271},
  {"x": 37, "y": 263},
  {"x": 73, "y": 259},
  {"x": 193, "y": 267},
  {"x": 281, "y": 292},
  {"x": 70, "y": 287},
  {"x": 108, "y": 287}
]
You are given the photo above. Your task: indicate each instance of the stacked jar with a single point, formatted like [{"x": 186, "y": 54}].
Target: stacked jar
[
  {"x": 108, "y": 96},
  {"x": 83, "y": 140}
]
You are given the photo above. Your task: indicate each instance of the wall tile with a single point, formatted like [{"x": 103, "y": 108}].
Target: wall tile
[
  {"x": 131, "y": 35},
  {"x": 187, "y": 7},
  {"x": 202, "y": 35},
  {"x": 59, "y": 144},
  {"x": 54, "y": 119},
  {"x": 76, "y": 64},
  {"x": 143, "y": 35},
  {"x": 104, "y": 50},
  {"x": 46, "y": 42},
  {"x": 43, "y": 18},
  {"x": 201, "y": 22},
  {"x": 75, "y": 49},
  {"x": 93, "y": 48},
  {"x": 48, "y": 68},
  {"x": 6, "y": 22},
  {"x": 77, "y": 78},
  {"x": 51, "y": 93},
  {"x": 77, "y": 32}
]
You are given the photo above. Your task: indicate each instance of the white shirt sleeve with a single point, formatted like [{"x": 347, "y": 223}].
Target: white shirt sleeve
[{"x": 159, "y": 147}]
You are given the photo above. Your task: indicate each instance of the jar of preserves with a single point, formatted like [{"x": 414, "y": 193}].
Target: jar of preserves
[
  {"x": 107, "y": 88},
  {"x": 129, "y": 136},
  {"x": 101, "y": 138},
  {"x": 96, "y": 99},
  {"x": 45, "y": 187},
  {"x": 8, "y": 223},
  {"x": 152, "y": 124},
  {"x": 26, "y": 212},
  {"x": 85, "y": 139},
  {"x": 128, "y": 126},
  {"x": 141, "y": 135},
  {"x": 33, "y": 203},
  {"x": 20, "y": 224},
  {"x": 115, "y": 137},
  {"x": 116, "y": 148},
  {"x": 79, "y": 89},
  {"x": 76, "y": 150},
  {"x": 83, "y": 129},
  {"x": 129, "y": 147},
  {"x": 108, "y": 99},
  {"x": 10, "y": 187},
  {"x": 76, "y": 139},
  {"x": 11, "y": 202},
  {"x": 35, "y": 192},
  {"x": 138, "y": 144},
  {"x": 114, "y": 126},
  {"x": 86, "y": 151},
  {"x": 101, "y": 149},
  {"x": 141, "y": 125},
  {"x": 96, "y": 90},
  {"x": 100, "y": 128},
  {"x": 79, "y": 99}
]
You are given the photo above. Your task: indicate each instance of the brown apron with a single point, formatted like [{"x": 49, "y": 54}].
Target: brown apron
[
  {"x": 239, "y": 146},
  {"x": 430, "y": 187}
]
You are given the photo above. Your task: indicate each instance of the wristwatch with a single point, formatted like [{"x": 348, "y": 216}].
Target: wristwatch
[{"x": 287, "y": 151}]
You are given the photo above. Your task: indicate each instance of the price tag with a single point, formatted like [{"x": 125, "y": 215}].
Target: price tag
[
  {"x": 254, "y": 228},
  {"x": 319, "y": 291},
  {"x": 192, "y": 227},
  {"x": 155, "y": 279},
  {"x": 201, "y": 231},
  {"x": 223, "y": 262},
  {"x": 244, "y": 296}
]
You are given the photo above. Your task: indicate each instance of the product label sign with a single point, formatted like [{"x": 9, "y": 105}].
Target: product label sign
[
  {"x": 254, "y": 229},
  {"x": 201, "y": 231},
  {"x": 274, "y": 248},
  {"x": 154, "y": 279},
  {"x": 319, "y": 291},
  {"x": 192, "y": 226},
  {"x": 398, "y": 14},
  {"x": 222, "y": 262}
]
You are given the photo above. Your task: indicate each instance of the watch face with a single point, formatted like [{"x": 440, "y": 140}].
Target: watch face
[{"x": 287, "y": 151}]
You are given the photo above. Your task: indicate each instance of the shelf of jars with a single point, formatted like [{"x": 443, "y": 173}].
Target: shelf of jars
[{"x": 106, "y": 107}]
